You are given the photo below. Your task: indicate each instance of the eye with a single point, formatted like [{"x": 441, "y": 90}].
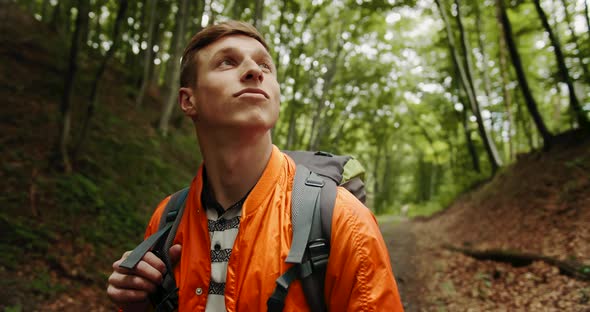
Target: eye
[
  {"x": 227, "y": 62},
  {"x": 265, "y": 67}
]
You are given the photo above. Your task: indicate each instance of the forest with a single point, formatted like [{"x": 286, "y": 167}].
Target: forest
[{"x": 463, "y": 114}]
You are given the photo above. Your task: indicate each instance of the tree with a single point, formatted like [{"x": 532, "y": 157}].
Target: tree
[
  {"x": 92, "y": 99},
  {"x": 577, "y": 110},
  {"x": 65, "y": 108},
  {"x": 522, "y": 80},
  {"x": 575, "y": 40},
  {"x": 147, "y": 61},
  {"x": 258, "y": 11},
  {"x": 465, "y": 71},
  {"x": 505, "y": 93},
  {"x": 174, "y": 76}
]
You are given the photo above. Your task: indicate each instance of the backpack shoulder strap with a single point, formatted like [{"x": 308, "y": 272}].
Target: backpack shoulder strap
[
  {"x": 313, "y": 273},
  {"x": 165, "y": 298},
  {"x": 312, "y": 203},
  {"x": 171, "y": 211}
]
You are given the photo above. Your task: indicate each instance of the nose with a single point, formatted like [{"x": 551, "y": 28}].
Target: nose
[{"x": 252, "y": 72}]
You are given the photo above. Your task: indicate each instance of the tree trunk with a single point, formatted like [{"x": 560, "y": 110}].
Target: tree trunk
[
  {"x": 571, "y": 268},
  {"x": 135, "y": 60},
  {"x": 174, "y": 78},
  {"x": 376, "y": 181},
  {"x": 68, "y": 19},
  {"x": 55, "y": 21},
  {"x": 587, "y": 18},
  {"x": 191, "y": 27},
  {"x": 147, "y": 61},
  {"x": 469, "y": 141},
  {"x": 97, "y": 26},
  {"x": 258, "y": 11},
  {"x": 488, "y": 140},
  {"x": 314, "y": 140},
  {"x": 577, "y": 109},
  {"x": 69, "y": 78},
  {"x": 467, "y": 83},
  {"x": 44, "y": 5},
  {"x": 92, "y": 100},
  {"x": 575, "y": 40},
  {"x": 504, "y": 71},
  {"x": 481, "y": 46},
  {"x": 281, "y": 39},
  {"x": 522, "y": 80}
]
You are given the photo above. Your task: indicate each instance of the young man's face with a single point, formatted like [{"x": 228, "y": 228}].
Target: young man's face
[{"x": 236, "y": 85}]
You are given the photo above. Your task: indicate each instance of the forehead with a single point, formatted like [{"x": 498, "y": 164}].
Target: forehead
[{"x": 241, "y": 43}]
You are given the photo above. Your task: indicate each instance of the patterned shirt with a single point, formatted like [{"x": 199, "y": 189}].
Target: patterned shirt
[{"x": 223, "y": 230}]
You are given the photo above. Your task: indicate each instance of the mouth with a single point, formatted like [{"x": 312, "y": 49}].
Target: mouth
[{"x": 251, "y": 90}]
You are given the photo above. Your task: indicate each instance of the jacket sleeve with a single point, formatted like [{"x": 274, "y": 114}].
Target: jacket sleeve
[{"x": 359, "y": 275}]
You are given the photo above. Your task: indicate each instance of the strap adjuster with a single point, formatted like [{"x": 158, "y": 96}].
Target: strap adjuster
[
  {"x": 313, "y": 182},
  {"x": 318, "y": 253}
]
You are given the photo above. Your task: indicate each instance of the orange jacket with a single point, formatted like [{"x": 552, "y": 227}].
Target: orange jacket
[{"x": 359, "y": 275}]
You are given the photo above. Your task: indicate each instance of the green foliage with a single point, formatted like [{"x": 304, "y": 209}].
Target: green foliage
[
  {"x": 42, "y": 284},
  {"x": 22, "y": 235},
  {"x": 79, "y": 194},
  {"x": 15, "y": 308}
]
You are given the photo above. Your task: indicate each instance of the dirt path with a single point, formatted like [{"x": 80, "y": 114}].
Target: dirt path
[{"x": 401, "y": 242}]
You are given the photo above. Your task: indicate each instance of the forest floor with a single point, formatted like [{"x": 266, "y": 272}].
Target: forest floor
[{"x": 539, "y": 205}]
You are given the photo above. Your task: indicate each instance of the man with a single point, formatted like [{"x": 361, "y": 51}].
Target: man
[{"x": 239, "y": 201}]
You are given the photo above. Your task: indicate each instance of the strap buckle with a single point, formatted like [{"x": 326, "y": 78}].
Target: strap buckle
[
  {"x": 318, "y": 253},
  {"x": 314, "y": 182}
]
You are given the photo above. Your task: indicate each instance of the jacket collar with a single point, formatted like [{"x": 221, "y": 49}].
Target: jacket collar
[{"x": 269, "y": 179}]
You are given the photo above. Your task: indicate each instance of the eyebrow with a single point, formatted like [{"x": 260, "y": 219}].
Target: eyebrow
[{"x": 231, "y": 50}]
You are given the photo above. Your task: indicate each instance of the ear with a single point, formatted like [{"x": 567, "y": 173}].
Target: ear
[{"x": 187, "y": 102}]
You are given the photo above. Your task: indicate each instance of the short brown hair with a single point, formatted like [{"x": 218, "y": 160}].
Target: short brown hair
[{"x": 188, "y": 66}]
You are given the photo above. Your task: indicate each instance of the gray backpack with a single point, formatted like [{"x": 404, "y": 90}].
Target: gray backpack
[{"x": 314, "y": 192}]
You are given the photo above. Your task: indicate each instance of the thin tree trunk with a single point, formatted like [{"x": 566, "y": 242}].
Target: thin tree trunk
[
  {"x": 44, "y": 5},
  {"x": 575, "y": 40},
  {"x": 147, "y": 61},
  {"x": 258, "y": 11},
  {"x": 176, "y": 49},
  {"x": 69, "y": 79},
  {"x": 522, "y": 80},
  {"x": 55, "y": 21},
  {"x": 294, "y": 105},
  {"x": 469, "y": 141},
  {"x": 328, "y": 78},
  {"x": 387, "y": 177},
  {"x": 291, "y": 132},
  {"x": 488, "y": 141},
  {"x": 587, "y": 18},
  {"x": 465, "y": 75},
  {"x": 504, "y": 71},
  {"x": 281, "y": 38},
  {"x": 68, "y": 19},
  {"x": 377, "y": 183},
  {"x": 577, "y": 109},
  {"x": 97, "y": 26},
  {"x": 191, "y": 27},
  {"x": 92, "y": 100},
  {"x": 136, "y": 60},
  {"x": 481, "y": 46}
]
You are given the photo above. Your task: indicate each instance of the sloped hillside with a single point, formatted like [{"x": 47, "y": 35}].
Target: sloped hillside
[
  {"x": 60, "y": 233},
  {"x": 468, "y": 255}
]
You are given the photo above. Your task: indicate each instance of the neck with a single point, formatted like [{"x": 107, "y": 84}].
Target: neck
[{"x": 234, "y": 163}]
